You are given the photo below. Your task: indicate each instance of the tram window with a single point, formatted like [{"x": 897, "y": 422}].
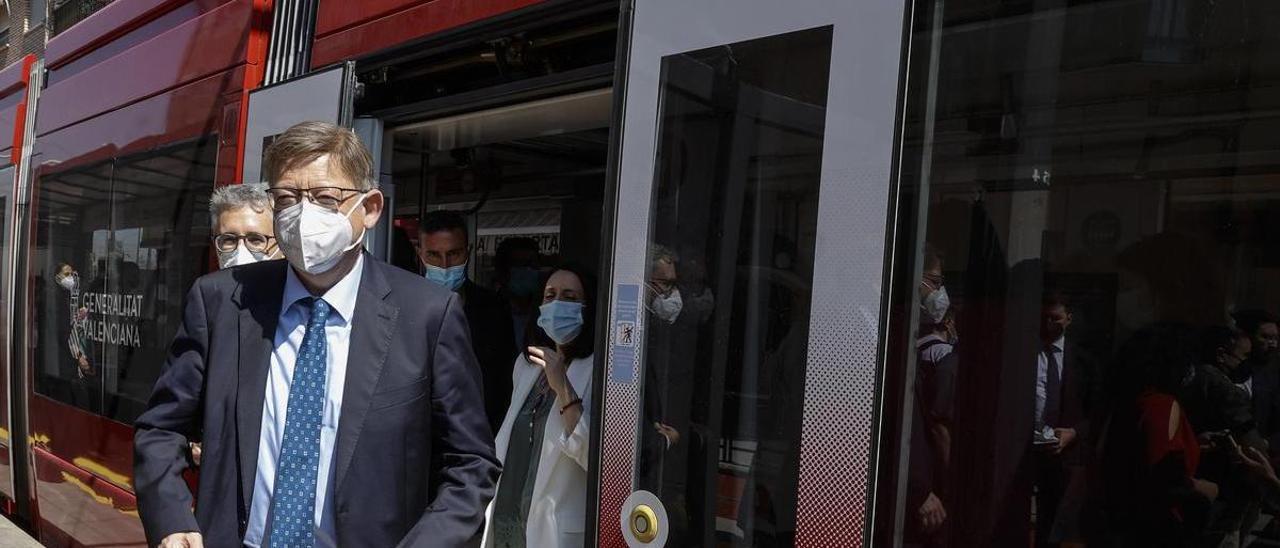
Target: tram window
[
  {"x": 1100, "y": 186},
  {"x": 729, "y": 286},
  {"x": 118, "y": 246}
]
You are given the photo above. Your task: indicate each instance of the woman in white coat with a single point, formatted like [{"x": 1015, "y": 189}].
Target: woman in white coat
[{"x": 543, "y": 442}]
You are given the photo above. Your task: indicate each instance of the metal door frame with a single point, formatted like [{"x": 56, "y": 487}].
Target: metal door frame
[{"x": 17, "y": 291}]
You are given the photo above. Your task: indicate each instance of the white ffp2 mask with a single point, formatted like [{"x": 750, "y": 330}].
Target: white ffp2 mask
[
  {"x": 241, "y": 255},
  {"x": 313, "y": 238},
  {"x": 668, "y": 308}
]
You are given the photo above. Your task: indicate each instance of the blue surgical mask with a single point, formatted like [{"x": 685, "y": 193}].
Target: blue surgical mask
[
  {"x": 451, "y": 278},
  {"x": 561, "y": 320}
]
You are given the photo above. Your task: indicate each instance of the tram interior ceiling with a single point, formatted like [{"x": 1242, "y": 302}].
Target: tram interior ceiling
[{"x": 533, "y": 170}]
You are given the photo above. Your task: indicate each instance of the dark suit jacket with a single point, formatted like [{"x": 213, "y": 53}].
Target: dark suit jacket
[
  {"x": 1266, "y": 404},
  {"x": 495, "y": 345},
  {"x": 1214, "y": 403},
  {"x": 415, "y": 462},
  {"x": 1082, "y": 395}
]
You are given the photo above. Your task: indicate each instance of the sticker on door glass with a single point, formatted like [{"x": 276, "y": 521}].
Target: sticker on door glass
[{"x": 625, "y": 334}]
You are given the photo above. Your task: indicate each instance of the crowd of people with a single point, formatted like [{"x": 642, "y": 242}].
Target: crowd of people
[
  {"x": 464, "y": 409},
  {"x": 1171, "y": 441}
]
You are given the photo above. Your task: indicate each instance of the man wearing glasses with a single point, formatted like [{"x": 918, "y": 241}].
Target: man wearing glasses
[
  {"x": 338, "y": 398},
  {"x": 242, "y": 225}
]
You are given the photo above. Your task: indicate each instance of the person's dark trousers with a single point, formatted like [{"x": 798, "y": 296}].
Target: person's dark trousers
[
  {"x": 1051, "y": 484},
  {"x": 1234, "y": 513}
]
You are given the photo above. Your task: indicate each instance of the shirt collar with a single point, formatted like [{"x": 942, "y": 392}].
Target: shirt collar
[
  {"x": 1060, "y": 344},
  {"x": 341, "y": 297}
]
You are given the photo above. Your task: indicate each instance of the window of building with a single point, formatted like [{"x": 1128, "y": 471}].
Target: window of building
[
  {"x": 37, "y": 11},
  {"x": 69, "y": 12}
]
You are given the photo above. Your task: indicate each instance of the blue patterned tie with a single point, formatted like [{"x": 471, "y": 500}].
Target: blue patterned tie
[{"x": 294, "y": 501}]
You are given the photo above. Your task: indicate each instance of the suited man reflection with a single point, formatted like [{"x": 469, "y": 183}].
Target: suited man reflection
[
  {"x": 338, "y": 397},
  {"x": 1066, "y": 394}
]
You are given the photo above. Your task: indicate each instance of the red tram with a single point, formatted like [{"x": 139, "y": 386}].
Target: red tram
[
  {"x": 504, "y": 107},
  {"x": 810, "y": 162}
]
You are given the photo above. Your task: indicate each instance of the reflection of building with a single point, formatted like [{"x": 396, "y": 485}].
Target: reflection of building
[{"x": 26, "y": 25}]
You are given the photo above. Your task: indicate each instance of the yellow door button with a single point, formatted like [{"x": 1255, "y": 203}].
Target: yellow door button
[{"x": 644, "y": 523}]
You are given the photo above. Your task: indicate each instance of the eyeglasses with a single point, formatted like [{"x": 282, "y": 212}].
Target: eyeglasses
[
  {"x": 328, "y": 197},
  {"x": 228, "y": 242}
]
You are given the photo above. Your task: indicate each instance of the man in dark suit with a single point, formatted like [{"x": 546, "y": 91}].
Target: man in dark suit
[
  {"x": 445, "y": 250},
  {"x": 1067, "y": 396},
  {"x": 1216, "y": 407},
  {"x": 337, "y": 397}
]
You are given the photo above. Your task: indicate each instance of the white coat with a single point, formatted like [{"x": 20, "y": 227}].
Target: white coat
[{"x": 558, "y": 505}]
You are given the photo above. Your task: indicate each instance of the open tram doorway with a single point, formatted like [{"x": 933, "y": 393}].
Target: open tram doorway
[{"x": 503, "y": 196}]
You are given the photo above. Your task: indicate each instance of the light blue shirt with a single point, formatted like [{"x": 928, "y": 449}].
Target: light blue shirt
[
  {"x": 293, "y": 325},
  {"x": 1042, "y": 379}
]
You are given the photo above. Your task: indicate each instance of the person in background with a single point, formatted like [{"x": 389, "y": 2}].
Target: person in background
[
  {"x": 1152, "y": 493},
  {"x": 243, "y": 230},
  {"x": 445, "y": 251},
  {"x": 516, "y": 262},
  {"x": 667, "y": 334},
  {"x": 934, "y": 396},
  {"x": 669, "y": 439},
  {"x": 337, "y": 396},
  {"x": 243, "y": 233},
  {"x": 1068, "y": 394},
  {"x": 1259, "y": 375},
  {"x": 545, "y": 437},
  {"x": 1217, "y": 408}
]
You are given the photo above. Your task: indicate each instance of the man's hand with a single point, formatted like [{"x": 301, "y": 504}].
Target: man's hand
[
  {"x": 183, "y": 540},
  {"x": 671, "y": 434},
  {"x": 1066, "y": 436},
  {"x": 1208, "y": 489},
  {"x": 1255, "y": 461},
  {"x": 86, "y": 368},
  {"x": 932, "y": 514}
]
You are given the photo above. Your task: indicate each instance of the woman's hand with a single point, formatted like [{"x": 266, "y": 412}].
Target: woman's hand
[{"x": 554, "y": 367}]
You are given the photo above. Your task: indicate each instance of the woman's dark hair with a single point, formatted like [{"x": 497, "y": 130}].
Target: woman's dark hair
[
  {"x": 1158, "y": 356},
  {"x": 585, "y": 343}
]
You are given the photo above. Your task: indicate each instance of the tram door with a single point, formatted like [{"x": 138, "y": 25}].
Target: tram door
[
  {"x": 754, "y": 175},
  {"x": 326, "y": 95}
]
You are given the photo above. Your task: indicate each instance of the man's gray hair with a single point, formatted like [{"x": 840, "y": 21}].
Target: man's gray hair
[
  {"x": 232, "y": 197},
  {"x": 661, "y": 253}
]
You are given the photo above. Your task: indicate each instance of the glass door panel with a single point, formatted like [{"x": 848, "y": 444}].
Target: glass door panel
[{"x": 754, "y": 177}]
